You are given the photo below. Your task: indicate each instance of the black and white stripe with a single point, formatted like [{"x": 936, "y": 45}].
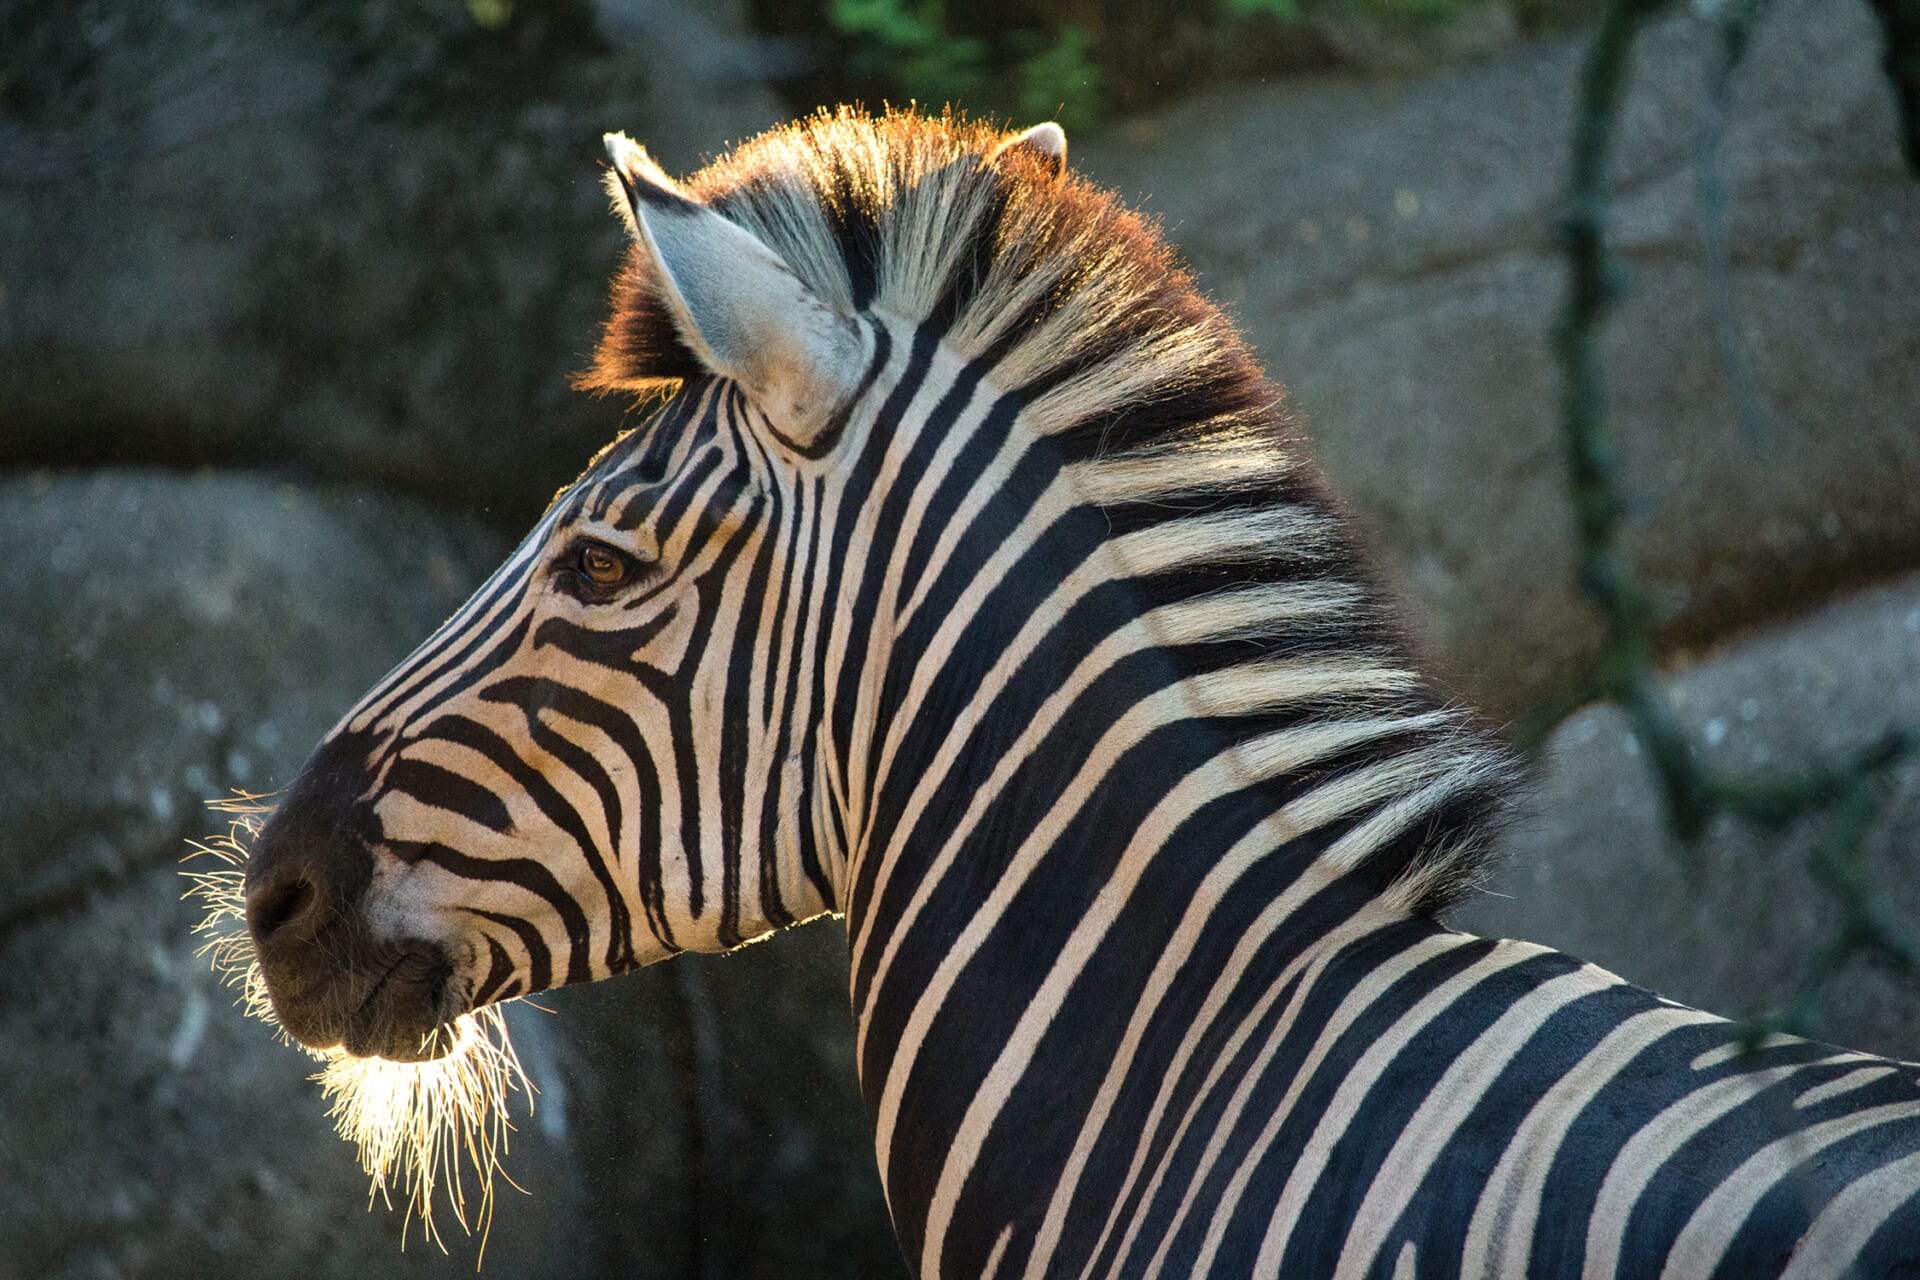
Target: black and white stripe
[{"x": 1034, "y": 648}]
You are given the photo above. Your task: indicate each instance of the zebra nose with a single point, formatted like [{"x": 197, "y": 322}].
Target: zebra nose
[
  {"x": 287, "y": 906},
  {"x": 302, "y": 881},
  {"x": 310, "y": 862}
]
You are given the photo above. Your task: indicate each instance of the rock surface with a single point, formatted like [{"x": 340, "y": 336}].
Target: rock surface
[
  {"x": 1391, "y": 249},
  {"x": 169, "y": 637},
  {"x": 366, "y": 241},
  {"x": 370, "y": 243},
  {"x": 1591, "y": 868}
]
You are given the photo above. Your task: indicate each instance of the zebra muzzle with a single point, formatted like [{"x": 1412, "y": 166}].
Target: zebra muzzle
[
  {"x": 403, "y": 1016},
  {"x": 330, "y": 989},
  {"x": 334, "y": 983}
]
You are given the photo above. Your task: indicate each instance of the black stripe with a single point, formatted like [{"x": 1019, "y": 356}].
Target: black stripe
[
  {"x": 499, "y": 970},
  {"x": 810, "y": 854},
  {"x": 443, "y": 789},
  {"x": 526, "y": 873}
]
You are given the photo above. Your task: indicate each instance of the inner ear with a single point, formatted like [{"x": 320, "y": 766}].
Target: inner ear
[{"x": 739, "y": 309}]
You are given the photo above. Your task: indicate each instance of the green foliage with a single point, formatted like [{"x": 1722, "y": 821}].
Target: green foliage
[
  {"x": 491, "y": 14},
  {"x": 1057, "y": 81},
  {"x": 1289, "y": 10},
  {"x": 910, "y": 45},
  {"x": 1419, "y": 10},
  {"x": 911, "y": 48},
  {"x": 1071, "y": 60},
  {"x": 1284, "y": 10}
]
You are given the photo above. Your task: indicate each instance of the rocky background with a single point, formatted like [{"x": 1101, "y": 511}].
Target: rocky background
[{"x": 290, "y": 293}]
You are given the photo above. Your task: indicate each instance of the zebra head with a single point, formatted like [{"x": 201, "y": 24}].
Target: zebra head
[{"x": 607, "y": 755}]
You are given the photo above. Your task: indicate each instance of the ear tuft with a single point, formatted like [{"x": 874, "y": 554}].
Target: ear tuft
[
  {"x": 1045, "y": 144},
  {"x": 639, "y": 179}
]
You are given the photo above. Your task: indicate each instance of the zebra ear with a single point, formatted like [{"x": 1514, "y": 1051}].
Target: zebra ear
[
  {"x": 1044, "y": 144},
  {"x": 739, "y": 309}
]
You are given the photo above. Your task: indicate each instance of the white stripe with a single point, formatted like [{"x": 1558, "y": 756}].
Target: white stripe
[
  {"x": 1847, "y": 1083},
  {"x": 1711, "y": 1230},
  {"x": 1449, "y": 1102},
  {"x": 1851, "y": 1219}
]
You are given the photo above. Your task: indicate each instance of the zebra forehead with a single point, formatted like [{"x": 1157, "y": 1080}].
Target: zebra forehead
[{"x": 636, "y": 457}]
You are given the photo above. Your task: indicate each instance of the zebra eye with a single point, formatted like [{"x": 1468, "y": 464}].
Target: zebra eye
[{"x": 602, "y": 566}]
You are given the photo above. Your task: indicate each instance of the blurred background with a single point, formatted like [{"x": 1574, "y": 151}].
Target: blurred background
[{"x": 290, "y": 295}]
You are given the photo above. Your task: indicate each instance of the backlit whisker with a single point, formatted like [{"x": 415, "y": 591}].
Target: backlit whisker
[{"x": 415, "y": 1125}]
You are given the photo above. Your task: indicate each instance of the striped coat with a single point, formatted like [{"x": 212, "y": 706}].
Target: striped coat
[{"x": 970, "y": 581}]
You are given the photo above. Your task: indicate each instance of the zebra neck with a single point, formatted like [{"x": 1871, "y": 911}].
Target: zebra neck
[
  {"x": 1116, "y": 882},
  {"x": 1078, "y": 739},
  {"x": 1082, "y": 832},
  {"x": 1037, "y": 680}
]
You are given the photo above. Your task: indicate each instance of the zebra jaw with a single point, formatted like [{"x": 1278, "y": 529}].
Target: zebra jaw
[{"x": 411, "y": 1114}]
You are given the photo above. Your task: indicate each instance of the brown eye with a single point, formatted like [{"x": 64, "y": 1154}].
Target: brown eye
[{"x": 603, "y": 566}]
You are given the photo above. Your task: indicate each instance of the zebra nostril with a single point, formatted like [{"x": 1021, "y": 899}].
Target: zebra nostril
[{"x": 273, "y": 908}]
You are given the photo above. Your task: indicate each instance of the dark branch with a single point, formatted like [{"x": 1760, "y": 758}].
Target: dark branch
[
  {"x": 1623, "y": 670},
  {"x": 1900, "y": 19}
]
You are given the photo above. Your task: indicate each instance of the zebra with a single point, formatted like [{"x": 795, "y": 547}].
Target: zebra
[{"x": 966, "y": 577}]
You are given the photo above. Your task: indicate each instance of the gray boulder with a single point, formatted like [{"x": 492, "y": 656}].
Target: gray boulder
[
  {"x": 1732, "y": 925},
  {"x": 365, "y": 241},
  {"x": 167, "y": 638},
  {"x": 1391, "y": 249}
]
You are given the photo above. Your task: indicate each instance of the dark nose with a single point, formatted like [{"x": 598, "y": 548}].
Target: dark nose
[
  {"x": 314, "y": 855},
  {"x": 284, "y": 902}
]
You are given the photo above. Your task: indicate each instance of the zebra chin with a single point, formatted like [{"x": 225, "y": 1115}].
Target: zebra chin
[{"x": 396, "y": 1004}]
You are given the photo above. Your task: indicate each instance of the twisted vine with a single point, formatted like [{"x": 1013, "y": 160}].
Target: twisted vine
[{"x": 1849, "y": 790}]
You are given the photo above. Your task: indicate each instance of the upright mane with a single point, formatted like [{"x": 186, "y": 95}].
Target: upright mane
[{"x": 1167, "y": 421}]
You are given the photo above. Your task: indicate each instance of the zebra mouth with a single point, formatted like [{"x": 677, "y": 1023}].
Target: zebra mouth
[{"x": 405, "y": 1015}]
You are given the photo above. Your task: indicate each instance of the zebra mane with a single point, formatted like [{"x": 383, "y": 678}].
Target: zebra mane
[{"x": 1167, "y": 419}]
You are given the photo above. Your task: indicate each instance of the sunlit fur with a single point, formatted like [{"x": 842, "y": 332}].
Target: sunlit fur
[
  {"x": 414, "y": 1124},
  {"x": 1054, "y": 282},
  {"x": 1048, "y": 661}
]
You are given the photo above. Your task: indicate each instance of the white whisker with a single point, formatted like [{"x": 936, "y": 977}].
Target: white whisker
[{"x": 414, "y": 1124}]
